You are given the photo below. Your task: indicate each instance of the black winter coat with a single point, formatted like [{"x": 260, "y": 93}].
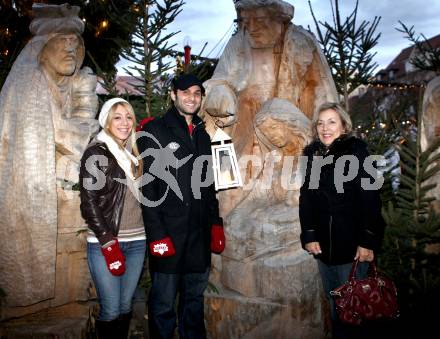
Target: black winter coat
[
  {"x": 340, "y": 221},
  {"x": 186, "y": 221}
]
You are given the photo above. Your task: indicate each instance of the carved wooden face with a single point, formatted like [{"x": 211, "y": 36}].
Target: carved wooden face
[
  {"x": 263, "y": 30},
  {"x": 59, "y": 56},
  {"x": 276, "y": 132}
]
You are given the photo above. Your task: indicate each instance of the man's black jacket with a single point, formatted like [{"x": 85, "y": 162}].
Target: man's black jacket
[{"x": 186, "y": 221}]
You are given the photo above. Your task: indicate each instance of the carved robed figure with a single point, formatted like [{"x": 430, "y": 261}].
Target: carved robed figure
[
  {"x": 47, "y": 110},
  {"x": 267, "y": 58},
  {"x": 270, "y": 80}
]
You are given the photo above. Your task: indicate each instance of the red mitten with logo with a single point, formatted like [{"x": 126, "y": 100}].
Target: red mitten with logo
[
  {"x": 114, "y": 258},
  {"x": 162, "y": 248},
  {"x": 218, "y": 240}
]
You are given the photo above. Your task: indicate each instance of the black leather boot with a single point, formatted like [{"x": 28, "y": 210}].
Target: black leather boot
[
  {"x": 124, "y": 325},
  {"x": 107, "y": 329}
]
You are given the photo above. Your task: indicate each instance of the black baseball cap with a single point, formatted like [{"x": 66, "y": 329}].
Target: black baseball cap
[{"x": 187, "y": 80}]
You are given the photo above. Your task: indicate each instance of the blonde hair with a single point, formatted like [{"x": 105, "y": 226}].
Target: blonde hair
[
  {"x": 131, "y": 140},
  {"x": 345, "y": 118}
]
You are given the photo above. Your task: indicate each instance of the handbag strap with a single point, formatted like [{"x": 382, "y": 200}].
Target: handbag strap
[{"x": 372, "y": 270}]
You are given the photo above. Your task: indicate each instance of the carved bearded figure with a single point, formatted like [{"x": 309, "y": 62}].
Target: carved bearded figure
[
  {"x": 47, "y": 110},
  {"x": 270, "y": 80},
  {"x": 267, "y": 58}
]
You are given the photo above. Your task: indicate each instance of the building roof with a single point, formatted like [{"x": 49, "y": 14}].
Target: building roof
[
  {"x": 125, "y": 84},
  {"x": 398, "y": 63}
]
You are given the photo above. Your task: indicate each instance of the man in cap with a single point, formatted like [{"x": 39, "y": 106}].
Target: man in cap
[
  {"x": 47, "y": 109},
  {"x": 182, "y": 229}
]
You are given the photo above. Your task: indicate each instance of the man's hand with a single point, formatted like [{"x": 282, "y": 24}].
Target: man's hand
[
  {"x": 162, "y": 248},
  {"x": 218, "y": 240}
]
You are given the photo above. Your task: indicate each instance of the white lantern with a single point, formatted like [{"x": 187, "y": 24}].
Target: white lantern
[{"x": 224, "y": 162}]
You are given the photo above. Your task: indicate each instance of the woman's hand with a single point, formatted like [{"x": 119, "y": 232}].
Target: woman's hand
[
  {"x": 364, "y": 254},
  {"x": 313, "y": 248}
]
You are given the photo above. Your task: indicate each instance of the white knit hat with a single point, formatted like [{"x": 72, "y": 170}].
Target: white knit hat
[{"x": 105, "y": 110}]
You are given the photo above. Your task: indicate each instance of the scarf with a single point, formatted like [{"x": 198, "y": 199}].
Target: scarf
[{"x": 122, "y": 156}]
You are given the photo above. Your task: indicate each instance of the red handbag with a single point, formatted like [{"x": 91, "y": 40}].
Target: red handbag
[{"x": 372, "y": 298}]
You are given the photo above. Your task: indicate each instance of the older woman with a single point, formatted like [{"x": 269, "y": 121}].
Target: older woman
[
  {"x": 338, "y": 226},
  {"x": 116, "y": 241}
]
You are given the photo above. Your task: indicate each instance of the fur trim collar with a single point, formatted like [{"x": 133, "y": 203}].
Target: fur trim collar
[{"x": 345, "y": 144}]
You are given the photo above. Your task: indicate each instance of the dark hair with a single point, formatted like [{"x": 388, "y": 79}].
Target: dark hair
[{"x": 185, "y": 81}]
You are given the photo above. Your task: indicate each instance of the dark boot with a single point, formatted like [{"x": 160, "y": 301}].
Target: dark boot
[
  {"x": 106, "y": 329},
  {"x": 124, "y": 325}
]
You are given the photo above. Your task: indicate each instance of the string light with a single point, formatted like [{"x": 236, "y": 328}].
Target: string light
[
  {"x": 103, "y": 25},
  {"x": 395, "y": 86},
  {"x": 366, "y": 130}
]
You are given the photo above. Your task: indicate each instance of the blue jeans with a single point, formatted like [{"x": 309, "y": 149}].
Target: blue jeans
[
  {"x": 115, "y": 293},
  {"x": 161, "y": 301},
  {"x": 333, "y": 276}
]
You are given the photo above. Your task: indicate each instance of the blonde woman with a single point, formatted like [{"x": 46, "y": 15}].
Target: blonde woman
[{"x": 116, "y": 240}]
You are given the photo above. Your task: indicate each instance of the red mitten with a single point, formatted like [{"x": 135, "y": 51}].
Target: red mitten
[
  {"x": 162, "y": 248},
  {"x": 114, "y": 258},
  {"x": 218, "y": 240}
]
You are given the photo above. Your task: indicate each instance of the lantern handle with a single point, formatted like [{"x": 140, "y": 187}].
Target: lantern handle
[{"x": 217, "y": 121}]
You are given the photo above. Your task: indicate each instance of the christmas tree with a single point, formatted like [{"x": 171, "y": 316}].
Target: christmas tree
[
  {"x": 150, "y": 53},
  {"x": 108, "y": 26}
]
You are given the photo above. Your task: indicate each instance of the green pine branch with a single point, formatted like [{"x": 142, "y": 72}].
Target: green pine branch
[
  {"x": 150, "y": 50},
  {"x": 347, "y": 47},
  {"x": 427, "y": 57},
  {"x": 413, "y": 227}
]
